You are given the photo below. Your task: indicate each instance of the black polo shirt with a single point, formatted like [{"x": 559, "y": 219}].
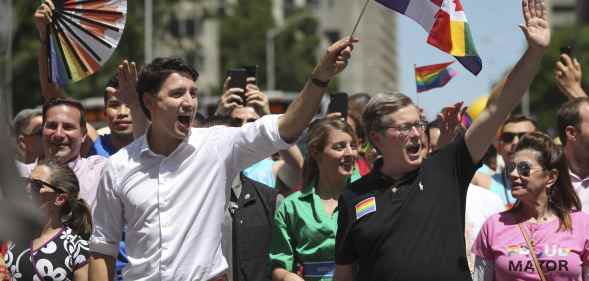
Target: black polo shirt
[{"x": 412, "y": 228}]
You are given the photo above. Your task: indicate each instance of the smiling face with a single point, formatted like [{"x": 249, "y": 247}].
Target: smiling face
[
  {"x": 173, "y": 108},
  {"x": 403, "y": 140},
  {"x": 62, "y": 134},
  {"x": 338, "y": 155},
  {"x": 117, "y": 114},
  {"x": 529, "y": 180}
]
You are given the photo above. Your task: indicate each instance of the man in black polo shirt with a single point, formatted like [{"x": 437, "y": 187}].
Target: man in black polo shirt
[{"x": 405, "y": 220}]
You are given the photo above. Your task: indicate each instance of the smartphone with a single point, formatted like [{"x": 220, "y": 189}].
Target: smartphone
[
  {"x": 338, "y": 102},
  {"x": 566, "y": 50},
  {"x": 238, "y": 79},
  {"x": 252, "y": 70}
]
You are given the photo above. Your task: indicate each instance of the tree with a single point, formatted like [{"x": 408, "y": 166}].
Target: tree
[{"x": 243, "y": 38}]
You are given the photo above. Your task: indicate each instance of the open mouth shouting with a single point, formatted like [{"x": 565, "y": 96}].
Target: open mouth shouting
[
  {"x": 347, "y": 163},
  {"x": 413, "y": 149},
  {"x": 184, "y": 122}
]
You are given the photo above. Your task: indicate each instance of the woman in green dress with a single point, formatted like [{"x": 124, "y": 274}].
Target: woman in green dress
[{"x": 306, "y": 221}]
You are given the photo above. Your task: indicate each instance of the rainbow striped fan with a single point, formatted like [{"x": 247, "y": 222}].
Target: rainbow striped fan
[{"x": 83, "y": 36}]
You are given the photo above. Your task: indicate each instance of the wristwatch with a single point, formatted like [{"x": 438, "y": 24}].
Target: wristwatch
[{"x": 319, "y": 83}]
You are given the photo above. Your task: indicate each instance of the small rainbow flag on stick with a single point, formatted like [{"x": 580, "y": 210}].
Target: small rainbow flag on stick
[{"x": 433, "y": 76}]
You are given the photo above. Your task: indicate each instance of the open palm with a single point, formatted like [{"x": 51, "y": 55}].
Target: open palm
[{"x": 536, "y": 28}]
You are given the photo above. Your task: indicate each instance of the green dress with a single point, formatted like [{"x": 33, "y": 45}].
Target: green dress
[{"x": 305, "y": 234}]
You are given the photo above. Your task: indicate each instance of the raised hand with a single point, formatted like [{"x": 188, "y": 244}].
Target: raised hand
[
  {"x": 256, "y": 99},
  {"x": 127, "y": 74},
  {"x": 568, "y": 74},
  {"x": 335, "y": 59},
  {"x": 230, "y": 99},
  {"x": 43, "y": 17},
  {"x": 451, "y": 117},
  {"x": 536, "y": 27}
]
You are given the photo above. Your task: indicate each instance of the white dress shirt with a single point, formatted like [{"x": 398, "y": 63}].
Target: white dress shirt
[
  {"x": 174, "y": 206},
  {"x": 581, "y": 186}
]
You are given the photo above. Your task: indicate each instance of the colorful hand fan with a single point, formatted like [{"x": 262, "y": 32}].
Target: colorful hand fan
[{"x": 83, "y": 36}]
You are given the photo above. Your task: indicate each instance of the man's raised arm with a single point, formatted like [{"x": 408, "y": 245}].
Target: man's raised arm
[
  {"x": 307, "y": 103},
  {"x": 537, "y": 31}
]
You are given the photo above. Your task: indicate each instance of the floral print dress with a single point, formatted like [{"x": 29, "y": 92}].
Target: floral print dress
[{"x": 56, "y": 260}]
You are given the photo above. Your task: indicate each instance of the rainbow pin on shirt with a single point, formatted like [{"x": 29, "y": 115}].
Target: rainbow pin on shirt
[{"x": 365, "y": 207}]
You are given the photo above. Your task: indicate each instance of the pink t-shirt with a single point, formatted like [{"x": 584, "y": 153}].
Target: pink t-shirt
[{"x": 561, "y": 254}]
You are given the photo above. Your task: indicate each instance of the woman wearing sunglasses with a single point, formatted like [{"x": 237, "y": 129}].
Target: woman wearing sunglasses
[
  {"x": 60, "y": 251},
  {"x": 544, "y": 236},
  {"x": 306, "y": 221}
]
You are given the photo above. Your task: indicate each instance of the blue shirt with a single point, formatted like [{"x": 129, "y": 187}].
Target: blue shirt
[{"x": 103, "y": 146}]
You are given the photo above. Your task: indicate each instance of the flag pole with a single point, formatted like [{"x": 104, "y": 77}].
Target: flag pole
[
  {"x": 359, "y": 18},
  {"x": 416, "y": 89}
]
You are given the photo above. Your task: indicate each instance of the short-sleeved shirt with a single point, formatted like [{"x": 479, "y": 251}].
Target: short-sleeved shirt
[
  {"x": 561, "y": 253},
  {"x": 304, "y": 234},
  {"x": 501, "y": 186},
  {"x": 174, "y": 205},
  {"x": 262, "y": 172},
  {"x": 56, "y": 260},
  {"x": 103, "y": 146},
  {"x": 411, "y": 228}
]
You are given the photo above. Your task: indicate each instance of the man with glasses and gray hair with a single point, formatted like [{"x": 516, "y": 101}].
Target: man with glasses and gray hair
[
  {"x": 405, "y": 219},
  {"x": 27, "y": 126}
]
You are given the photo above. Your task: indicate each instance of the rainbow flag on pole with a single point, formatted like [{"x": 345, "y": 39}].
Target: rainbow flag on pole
[
  {"x": 445, "y": 21},
  {"x": 433, "y": 76}
]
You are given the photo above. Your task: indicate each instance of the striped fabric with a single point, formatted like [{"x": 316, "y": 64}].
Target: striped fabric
[
  {"x": 446, "y": 23},
  {"x": 433, "y": 76}
]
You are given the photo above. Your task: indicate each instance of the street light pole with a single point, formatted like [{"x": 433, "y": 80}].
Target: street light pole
[{"x": 148, "y": 47}]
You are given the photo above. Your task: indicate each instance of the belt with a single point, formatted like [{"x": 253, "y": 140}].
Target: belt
[{"x": 319, "y": 269}]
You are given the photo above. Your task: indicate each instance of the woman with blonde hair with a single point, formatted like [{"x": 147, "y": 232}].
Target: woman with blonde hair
[{"x": 306, "y": 221}]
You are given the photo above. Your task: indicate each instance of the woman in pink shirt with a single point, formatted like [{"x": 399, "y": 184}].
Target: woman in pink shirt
[{"x": 546, "y": 218}]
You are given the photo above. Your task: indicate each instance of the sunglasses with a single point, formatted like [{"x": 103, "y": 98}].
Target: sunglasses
[
  {"x": 508, "y": 136},
  {"x": 523, "y": 168},
  {"x": 36, "y": 186}
]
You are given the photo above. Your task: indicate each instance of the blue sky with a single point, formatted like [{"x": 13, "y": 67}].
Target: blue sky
[{"x": 498, "y": 40}]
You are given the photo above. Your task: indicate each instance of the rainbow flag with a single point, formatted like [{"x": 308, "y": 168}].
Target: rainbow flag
[
  {"x": 445, "y": 21},
  {"x": 433, "y": 76},
  {"x": 365, "y": 207}
]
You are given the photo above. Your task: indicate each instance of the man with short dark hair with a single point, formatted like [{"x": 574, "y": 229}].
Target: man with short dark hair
[
  {"x": 170, "y": 185},
  {"x": 27, "y": 126},
  {"x": 509, "y": 135},
  {"x": 119, "y": 120},
  {"x": 573, "y": 130},
  {"x": 405, "y": 220}
]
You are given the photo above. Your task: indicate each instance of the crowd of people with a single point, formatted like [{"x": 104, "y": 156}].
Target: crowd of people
[{"x": 373, "y": 193}]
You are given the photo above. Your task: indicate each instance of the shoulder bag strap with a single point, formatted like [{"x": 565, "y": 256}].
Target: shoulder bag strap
[{"x": 532, "y": 250}]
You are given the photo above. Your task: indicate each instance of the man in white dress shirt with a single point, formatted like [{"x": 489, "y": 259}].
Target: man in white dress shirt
[
  {"x": 573, "y": 130},
  {"x": 169, "y": 186}
]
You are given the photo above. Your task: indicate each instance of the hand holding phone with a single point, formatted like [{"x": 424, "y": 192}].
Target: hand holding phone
[
  {"x": 339, "y": 103},
  {"x": 238, "y": 80}
]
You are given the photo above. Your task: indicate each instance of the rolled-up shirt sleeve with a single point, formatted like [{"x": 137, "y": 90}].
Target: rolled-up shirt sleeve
[
  {"x": 256, "y": 141},
  {"x": 107, "y": 216}
]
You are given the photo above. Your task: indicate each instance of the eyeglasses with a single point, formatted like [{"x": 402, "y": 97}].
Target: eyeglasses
[
  {"x": 35, "y": 132},
  {"x": 524, "y": 168},
  {"x": 509, "y": 136},
  {"x": 37, "y": 184},
  {"x": 406, "y": 129}
]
